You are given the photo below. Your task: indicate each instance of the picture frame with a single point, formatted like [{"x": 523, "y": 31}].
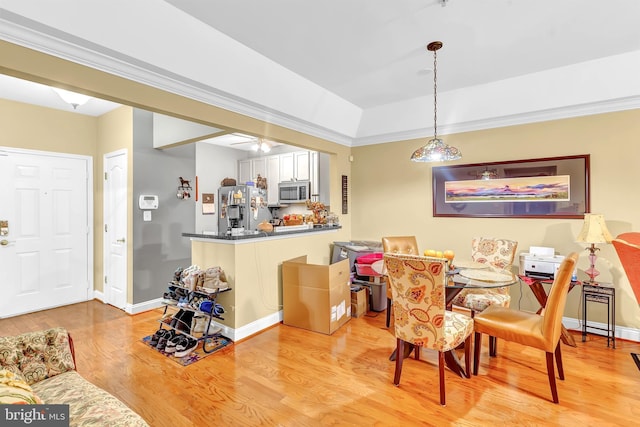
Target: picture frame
[{"x": 548, "y": 187}]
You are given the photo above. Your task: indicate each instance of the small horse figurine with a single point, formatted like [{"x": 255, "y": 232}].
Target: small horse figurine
[{"x": 184, "y": 183}]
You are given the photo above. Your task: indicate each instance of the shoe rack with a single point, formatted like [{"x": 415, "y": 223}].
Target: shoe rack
[{"x": 190, "y": 302}]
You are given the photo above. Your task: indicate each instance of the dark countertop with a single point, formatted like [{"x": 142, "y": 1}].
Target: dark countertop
[{"x": 261, "y": 234}]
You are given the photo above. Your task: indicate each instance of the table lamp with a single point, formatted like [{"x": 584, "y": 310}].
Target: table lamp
[{"x": 594, "y": 230}]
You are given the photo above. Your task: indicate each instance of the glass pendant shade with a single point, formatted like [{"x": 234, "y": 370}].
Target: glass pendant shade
[{"x": 436, "y": 151}]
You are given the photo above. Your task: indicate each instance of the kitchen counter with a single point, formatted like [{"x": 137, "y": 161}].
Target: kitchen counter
[
  {"x": 279, "y": 232},
  {"x": 252, "y": 264}
]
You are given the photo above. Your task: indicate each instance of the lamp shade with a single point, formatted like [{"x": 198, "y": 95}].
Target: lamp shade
[{"x": 594, "y": 230}]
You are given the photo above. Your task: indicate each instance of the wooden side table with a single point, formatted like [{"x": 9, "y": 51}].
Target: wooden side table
[
  {"x": 602, "y": 293},
  {"x": 541, "y": 295}
]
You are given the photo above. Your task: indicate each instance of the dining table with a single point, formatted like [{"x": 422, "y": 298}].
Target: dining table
[{"x": 468, "y": 275}]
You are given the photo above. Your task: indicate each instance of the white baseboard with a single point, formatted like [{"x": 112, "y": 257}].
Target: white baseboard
[
  {"x": 234, "y": 334},
  {"x": 256, "y": 326},
  {"x": 621, "y": 332}
]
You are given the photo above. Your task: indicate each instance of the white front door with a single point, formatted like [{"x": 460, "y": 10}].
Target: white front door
[
  {"x": 115, "y": 228},
  {"x": 46, "y": 246}
]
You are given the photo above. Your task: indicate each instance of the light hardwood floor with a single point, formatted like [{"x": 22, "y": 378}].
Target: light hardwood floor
[{"x": 286, "y": 376}]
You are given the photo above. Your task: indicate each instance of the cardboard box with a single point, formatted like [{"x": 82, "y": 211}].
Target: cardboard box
[
  {"x": 316, "y": 297},
  {"x": 359, "y": 302}
]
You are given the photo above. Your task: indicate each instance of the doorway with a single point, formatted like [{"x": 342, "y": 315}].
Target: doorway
[
  {"x": 115, "y": 228},
  {"x": 46, "y": 233}
]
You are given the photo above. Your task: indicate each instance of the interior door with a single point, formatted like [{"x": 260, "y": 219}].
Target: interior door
[
  {"x": 115, "y": 228},
  {"x": 46, "y": 246}
]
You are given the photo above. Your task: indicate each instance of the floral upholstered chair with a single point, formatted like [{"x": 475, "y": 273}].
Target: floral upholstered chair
[
  {"x": 398, "y": 245},
  {"x": 420, "y": 318},
  {"x": 499, "y": 254}
]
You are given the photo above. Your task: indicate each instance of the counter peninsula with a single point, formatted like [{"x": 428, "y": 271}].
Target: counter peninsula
[{"x": 252, "y": 262}]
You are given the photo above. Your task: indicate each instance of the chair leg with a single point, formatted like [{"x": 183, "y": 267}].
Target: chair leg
[
  {"x": 467, "y": 356},
  {"x": 476, "y": 352},
  {"x": 552, "y": 377},
  {"x": 493, "y": 346},
  {"x": 399, "y": 359},
  {"x": 441, "y": 374},
  {"x": 388, "y": 312},
  {"x": 559, "y": 362}
]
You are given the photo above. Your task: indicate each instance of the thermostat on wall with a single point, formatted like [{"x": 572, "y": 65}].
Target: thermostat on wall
[{"x": 148, "y": 201}]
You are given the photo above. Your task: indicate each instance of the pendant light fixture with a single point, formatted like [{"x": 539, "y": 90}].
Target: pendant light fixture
[{"x": 435, "y": 150}]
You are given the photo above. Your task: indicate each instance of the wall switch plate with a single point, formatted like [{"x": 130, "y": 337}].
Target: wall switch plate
[{"x": 146, "y": 216}]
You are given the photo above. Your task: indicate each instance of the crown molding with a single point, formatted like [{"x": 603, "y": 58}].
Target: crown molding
[
  {"x": 599, "y": 107},
  {"x": 33, "y": 35}
]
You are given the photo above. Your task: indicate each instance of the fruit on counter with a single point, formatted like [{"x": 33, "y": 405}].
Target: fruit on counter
[
  {"x": 293, "y": 219},
  {"x": 449, "y": 254},
  {"x": 430, "y": 252}
]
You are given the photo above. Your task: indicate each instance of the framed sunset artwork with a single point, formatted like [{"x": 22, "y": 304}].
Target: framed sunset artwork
[{"x": 552, "y": 187}]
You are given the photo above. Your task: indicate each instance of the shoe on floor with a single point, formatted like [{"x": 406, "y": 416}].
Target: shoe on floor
[
  {"x": 171, "y": 344},
  {"x": 185, "y": 347},
  {"x": 164, "y": 338},
  {"x": 156, "y": 336}
]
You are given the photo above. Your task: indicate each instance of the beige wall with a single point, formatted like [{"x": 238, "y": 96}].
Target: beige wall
[
  {"x": 38, "y": 128},
  {"x": 27, "y": 64},
  {"x": 388, "y": 194},
  {"x": 115, "y": 132},
  {"x": 392, "y": 196}
]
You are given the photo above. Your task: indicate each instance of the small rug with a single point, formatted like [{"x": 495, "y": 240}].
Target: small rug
[{"x": 213, "y": 344}]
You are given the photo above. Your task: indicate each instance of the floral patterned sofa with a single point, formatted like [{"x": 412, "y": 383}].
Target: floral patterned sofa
[{"x": 39, "y": 367}]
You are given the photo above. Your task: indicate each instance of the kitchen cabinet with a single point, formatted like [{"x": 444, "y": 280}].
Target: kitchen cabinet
[
  {"x": 319, "y": 176},
  {"x": 287, "y": 167},
  {"x": 301, "y": 165},
  {"x": 249, "y": 169},
  {"x": 244, "y": 171},
  {"x": 273, "y": 177},
  {"x": 295, "y": 166}
]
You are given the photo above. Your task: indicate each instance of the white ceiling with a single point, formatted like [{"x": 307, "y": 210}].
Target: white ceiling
[{"x": 356, "y": 71}]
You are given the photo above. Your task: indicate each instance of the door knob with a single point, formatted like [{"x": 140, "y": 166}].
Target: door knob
[
  {"x": 120, "y": 240},
  {"x": 5, "y": 242}
]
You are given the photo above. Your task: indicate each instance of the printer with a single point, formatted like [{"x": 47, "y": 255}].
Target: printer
[{"x": 540, "y": 263}]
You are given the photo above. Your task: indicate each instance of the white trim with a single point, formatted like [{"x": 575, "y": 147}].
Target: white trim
[
  {"x": 600, "y": 107},
  {"x": 231, "y": 333},
  {"x": 253, "y": 327},
  {"x": 622, "y": 332}
]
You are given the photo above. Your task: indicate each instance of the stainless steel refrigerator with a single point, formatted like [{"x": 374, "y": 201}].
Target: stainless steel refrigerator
[{"x": 241, "y": 206}]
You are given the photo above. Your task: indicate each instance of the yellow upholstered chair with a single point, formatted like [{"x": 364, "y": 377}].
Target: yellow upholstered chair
[
  {"x": 420, "y": 318},
  {"x": 398, "y": 245},
  {"x": 498, "y": 253},
  {"x": 541, "y": 331}
]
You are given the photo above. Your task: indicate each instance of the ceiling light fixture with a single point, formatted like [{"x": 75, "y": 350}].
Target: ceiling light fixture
[
  {"x": 72, "y": 98},
  {"x": 435, "y": 150},
  {"x": 261, "y": 145}
]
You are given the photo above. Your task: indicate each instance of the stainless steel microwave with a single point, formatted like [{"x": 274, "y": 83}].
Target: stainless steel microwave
[{"x": 294, "y": 191}]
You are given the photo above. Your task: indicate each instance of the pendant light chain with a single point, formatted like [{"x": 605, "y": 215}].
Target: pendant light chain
[{"x": 435, "y": 94}]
